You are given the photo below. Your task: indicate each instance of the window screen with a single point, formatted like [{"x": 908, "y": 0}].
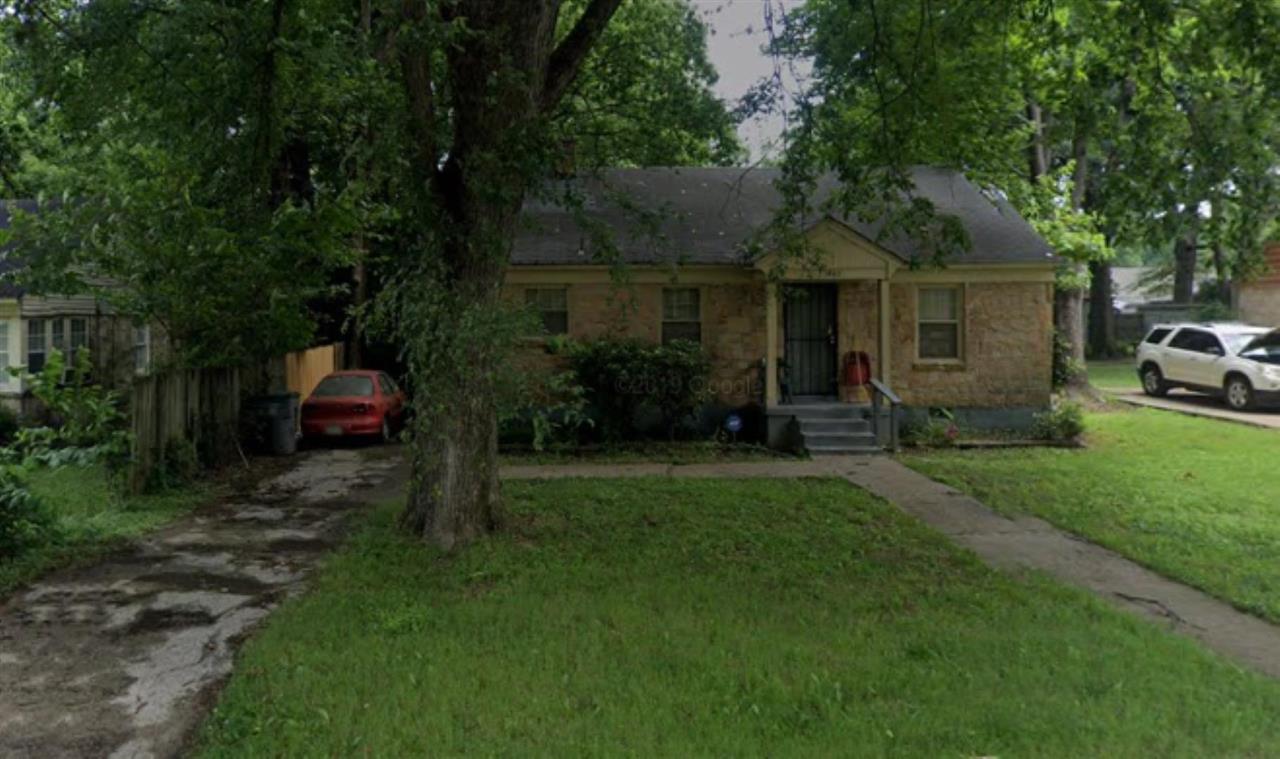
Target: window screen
[
  {"x": 552, "y": 304},
  {"x": 681, "y": 314},
  {"x": 939, "y": 322}
]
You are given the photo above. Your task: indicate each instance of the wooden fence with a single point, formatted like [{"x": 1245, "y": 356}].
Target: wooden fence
[
  {"x": 304, "y": 370},
  {"x": 195, "y": 408}
]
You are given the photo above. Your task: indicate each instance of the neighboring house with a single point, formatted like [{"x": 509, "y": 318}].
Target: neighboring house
[
  {"x": 1260, "y": 298},
  {"x": 32, "y": 325},
  {"x": 974, "y": 337}
]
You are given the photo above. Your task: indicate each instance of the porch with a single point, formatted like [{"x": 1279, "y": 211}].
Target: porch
[{"x": 818, "y": 318}]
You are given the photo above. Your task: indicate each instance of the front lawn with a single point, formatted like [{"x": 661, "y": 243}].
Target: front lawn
[
  {"x": 90, "y": 516},
  {"x": 647, "y": 452},
  {"x": 1116, "y": 376},
  {"x": 662, "y": 617},
  {"x": 1195, "y": 499}
]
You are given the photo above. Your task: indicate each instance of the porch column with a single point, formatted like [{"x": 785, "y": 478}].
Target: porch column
[
  {"x": 886, "y": 334},
  {"x": 771, "y": 345}
]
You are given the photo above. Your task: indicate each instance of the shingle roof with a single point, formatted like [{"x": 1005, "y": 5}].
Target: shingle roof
[
  {"x": 8, "y": 264},
  {"x": 709, "y": 216}
]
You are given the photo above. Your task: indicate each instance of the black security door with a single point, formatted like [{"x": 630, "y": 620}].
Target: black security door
[{"x": 810, "y": 332}]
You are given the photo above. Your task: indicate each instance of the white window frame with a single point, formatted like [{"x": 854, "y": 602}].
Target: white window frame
[
  {"x": 669, "y": 317},
  {"x": 36, "y": 327},
  {"x": 534, "y": 298},
  {"x": 957, "y": 321},
  {"x": 6, "y": 351}
]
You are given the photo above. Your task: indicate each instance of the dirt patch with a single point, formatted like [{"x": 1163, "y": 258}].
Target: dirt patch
[{"x": 123, "y": 658}]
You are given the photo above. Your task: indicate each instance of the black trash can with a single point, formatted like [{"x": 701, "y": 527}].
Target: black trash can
[{"x": 275, "y": 419}]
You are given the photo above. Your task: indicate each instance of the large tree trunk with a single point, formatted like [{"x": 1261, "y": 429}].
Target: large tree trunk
[
  {"x": 1102, "y": 317},
  {"x": 505, "y": 75},
  {"x": 1184, "y": 267},
  {"x": 1069, "y": 300}
]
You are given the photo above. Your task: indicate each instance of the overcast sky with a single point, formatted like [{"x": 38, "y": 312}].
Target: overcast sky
[{"x": 737, "y": 34}]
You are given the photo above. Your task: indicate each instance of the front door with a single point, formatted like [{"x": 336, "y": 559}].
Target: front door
[{"x": 810, "y": 333}]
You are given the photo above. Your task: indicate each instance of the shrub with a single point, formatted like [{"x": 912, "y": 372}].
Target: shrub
[
  {"x": 23, "y": 519},
  {"x": 1063, "y": 422},
  {"x": 9, "y": 425},
  {"x": 623, "y": 376},
  {"x": 551, "y": 411},
  {"x": 938, "y": 431},
  {"x": 87, "y": 424}
]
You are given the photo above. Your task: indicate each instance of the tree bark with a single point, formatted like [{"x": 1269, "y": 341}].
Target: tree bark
[
  {"x": 505, "y": 75},
  {"x": 1184, "y": 266},
  {"x": 1069, "y": 301},
  {"x": 1038, "y": 151},
  {"x": 1102, "y": 317}
]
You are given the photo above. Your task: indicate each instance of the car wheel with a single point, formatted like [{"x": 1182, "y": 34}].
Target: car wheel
[
  {"x": 1239, "y": 394},
  {"x": 386, "y": 430},
  {"x": 1153, "y": 382}
]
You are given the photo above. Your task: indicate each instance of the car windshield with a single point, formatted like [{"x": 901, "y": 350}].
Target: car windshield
[
  {"x": 1237, "y": 342},
  {"x": 1264, "y": 348},
  {"x": 347, "y": 386}
]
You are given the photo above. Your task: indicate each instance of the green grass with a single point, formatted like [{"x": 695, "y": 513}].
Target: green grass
[
  {"x": 728, "y": 617},
  {"x": 90, "y": 517},
  {"x": 1195, "y": 499},
  {"x": 684, "y": 452},
  {"x": 1114, "y": 375}
]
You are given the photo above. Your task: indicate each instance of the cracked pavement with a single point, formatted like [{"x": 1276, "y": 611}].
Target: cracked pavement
[{"x": 123, "y": 658}]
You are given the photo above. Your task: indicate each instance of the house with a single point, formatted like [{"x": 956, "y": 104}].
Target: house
[
  {"x": 1259, "y": 299},
  {"x": 974, "y": 337},
  {"x": 31, "y": 325}
]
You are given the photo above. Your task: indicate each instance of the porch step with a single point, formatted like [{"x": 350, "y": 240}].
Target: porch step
[
  {"x": 844, "y": 451},
  {"x": 839, "y": 442},
  {"x": 834, "y": 429},
  {"x": 816, "y": 411},
  {"x": 821, "y": 426}
]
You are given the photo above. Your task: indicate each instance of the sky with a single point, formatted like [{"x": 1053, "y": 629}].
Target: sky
[{"x": 737, "y": 33}]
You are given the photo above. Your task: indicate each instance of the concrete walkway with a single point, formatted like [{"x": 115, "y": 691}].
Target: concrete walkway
[
  {"x": 123, "y": 658},
  {"x": 1016, "y": 543},
  {"x": 1202, "y": 406}
]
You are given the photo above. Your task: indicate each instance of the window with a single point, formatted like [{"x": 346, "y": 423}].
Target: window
[
  {"x": 344, "y": 386},
  {"x": 141, "y": 348},
  {"x": 36, "y": 345},
  {"x": 1197, "y": 341},
  {"x": 938, "y": 322},
  {"x": 681, "y": 314},
  {"x": 1158, "y": 335},
  {"x": 388, "y": 387},
  {"x": 78, "y": 328},
  {"x": 552, "y": 305},
  {"x": 4, "y": 353}
]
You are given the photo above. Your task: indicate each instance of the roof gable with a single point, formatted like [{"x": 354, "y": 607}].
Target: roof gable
[{"x": 843, "y": 253}]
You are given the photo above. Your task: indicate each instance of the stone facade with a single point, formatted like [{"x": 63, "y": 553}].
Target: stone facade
[
  {"x": 1260, "y": 299},
  {"x": 1006, "y": 336},
  {"x": 1007, "y": 355}
]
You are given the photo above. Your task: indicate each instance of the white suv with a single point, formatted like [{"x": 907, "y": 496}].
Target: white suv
[{"x": 1238, "y": 362}]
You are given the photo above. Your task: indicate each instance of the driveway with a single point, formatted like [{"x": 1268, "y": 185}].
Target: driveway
[
  {"x": 1202, "y": 405},
  {"x": 123, "y": 658}
]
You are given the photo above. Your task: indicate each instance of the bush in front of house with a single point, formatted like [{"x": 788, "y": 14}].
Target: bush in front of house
[
  {"x": 550, "y": 411},
  {"x": 938, "y": 430},
  {"x": 1064, "y": 422},
  {"x": 86, "y": 423},
  {"x": 624, "y": 377},
  {"x": 23, "y": 518},
  {"x": 9, "y": 425}
]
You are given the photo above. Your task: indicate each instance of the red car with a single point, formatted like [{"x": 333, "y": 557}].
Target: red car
[{"x": 356, "y": 403}]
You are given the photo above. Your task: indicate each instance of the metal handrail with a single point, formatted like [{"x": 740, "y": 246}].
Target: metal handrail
[{"x": 880, "y": 390}]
